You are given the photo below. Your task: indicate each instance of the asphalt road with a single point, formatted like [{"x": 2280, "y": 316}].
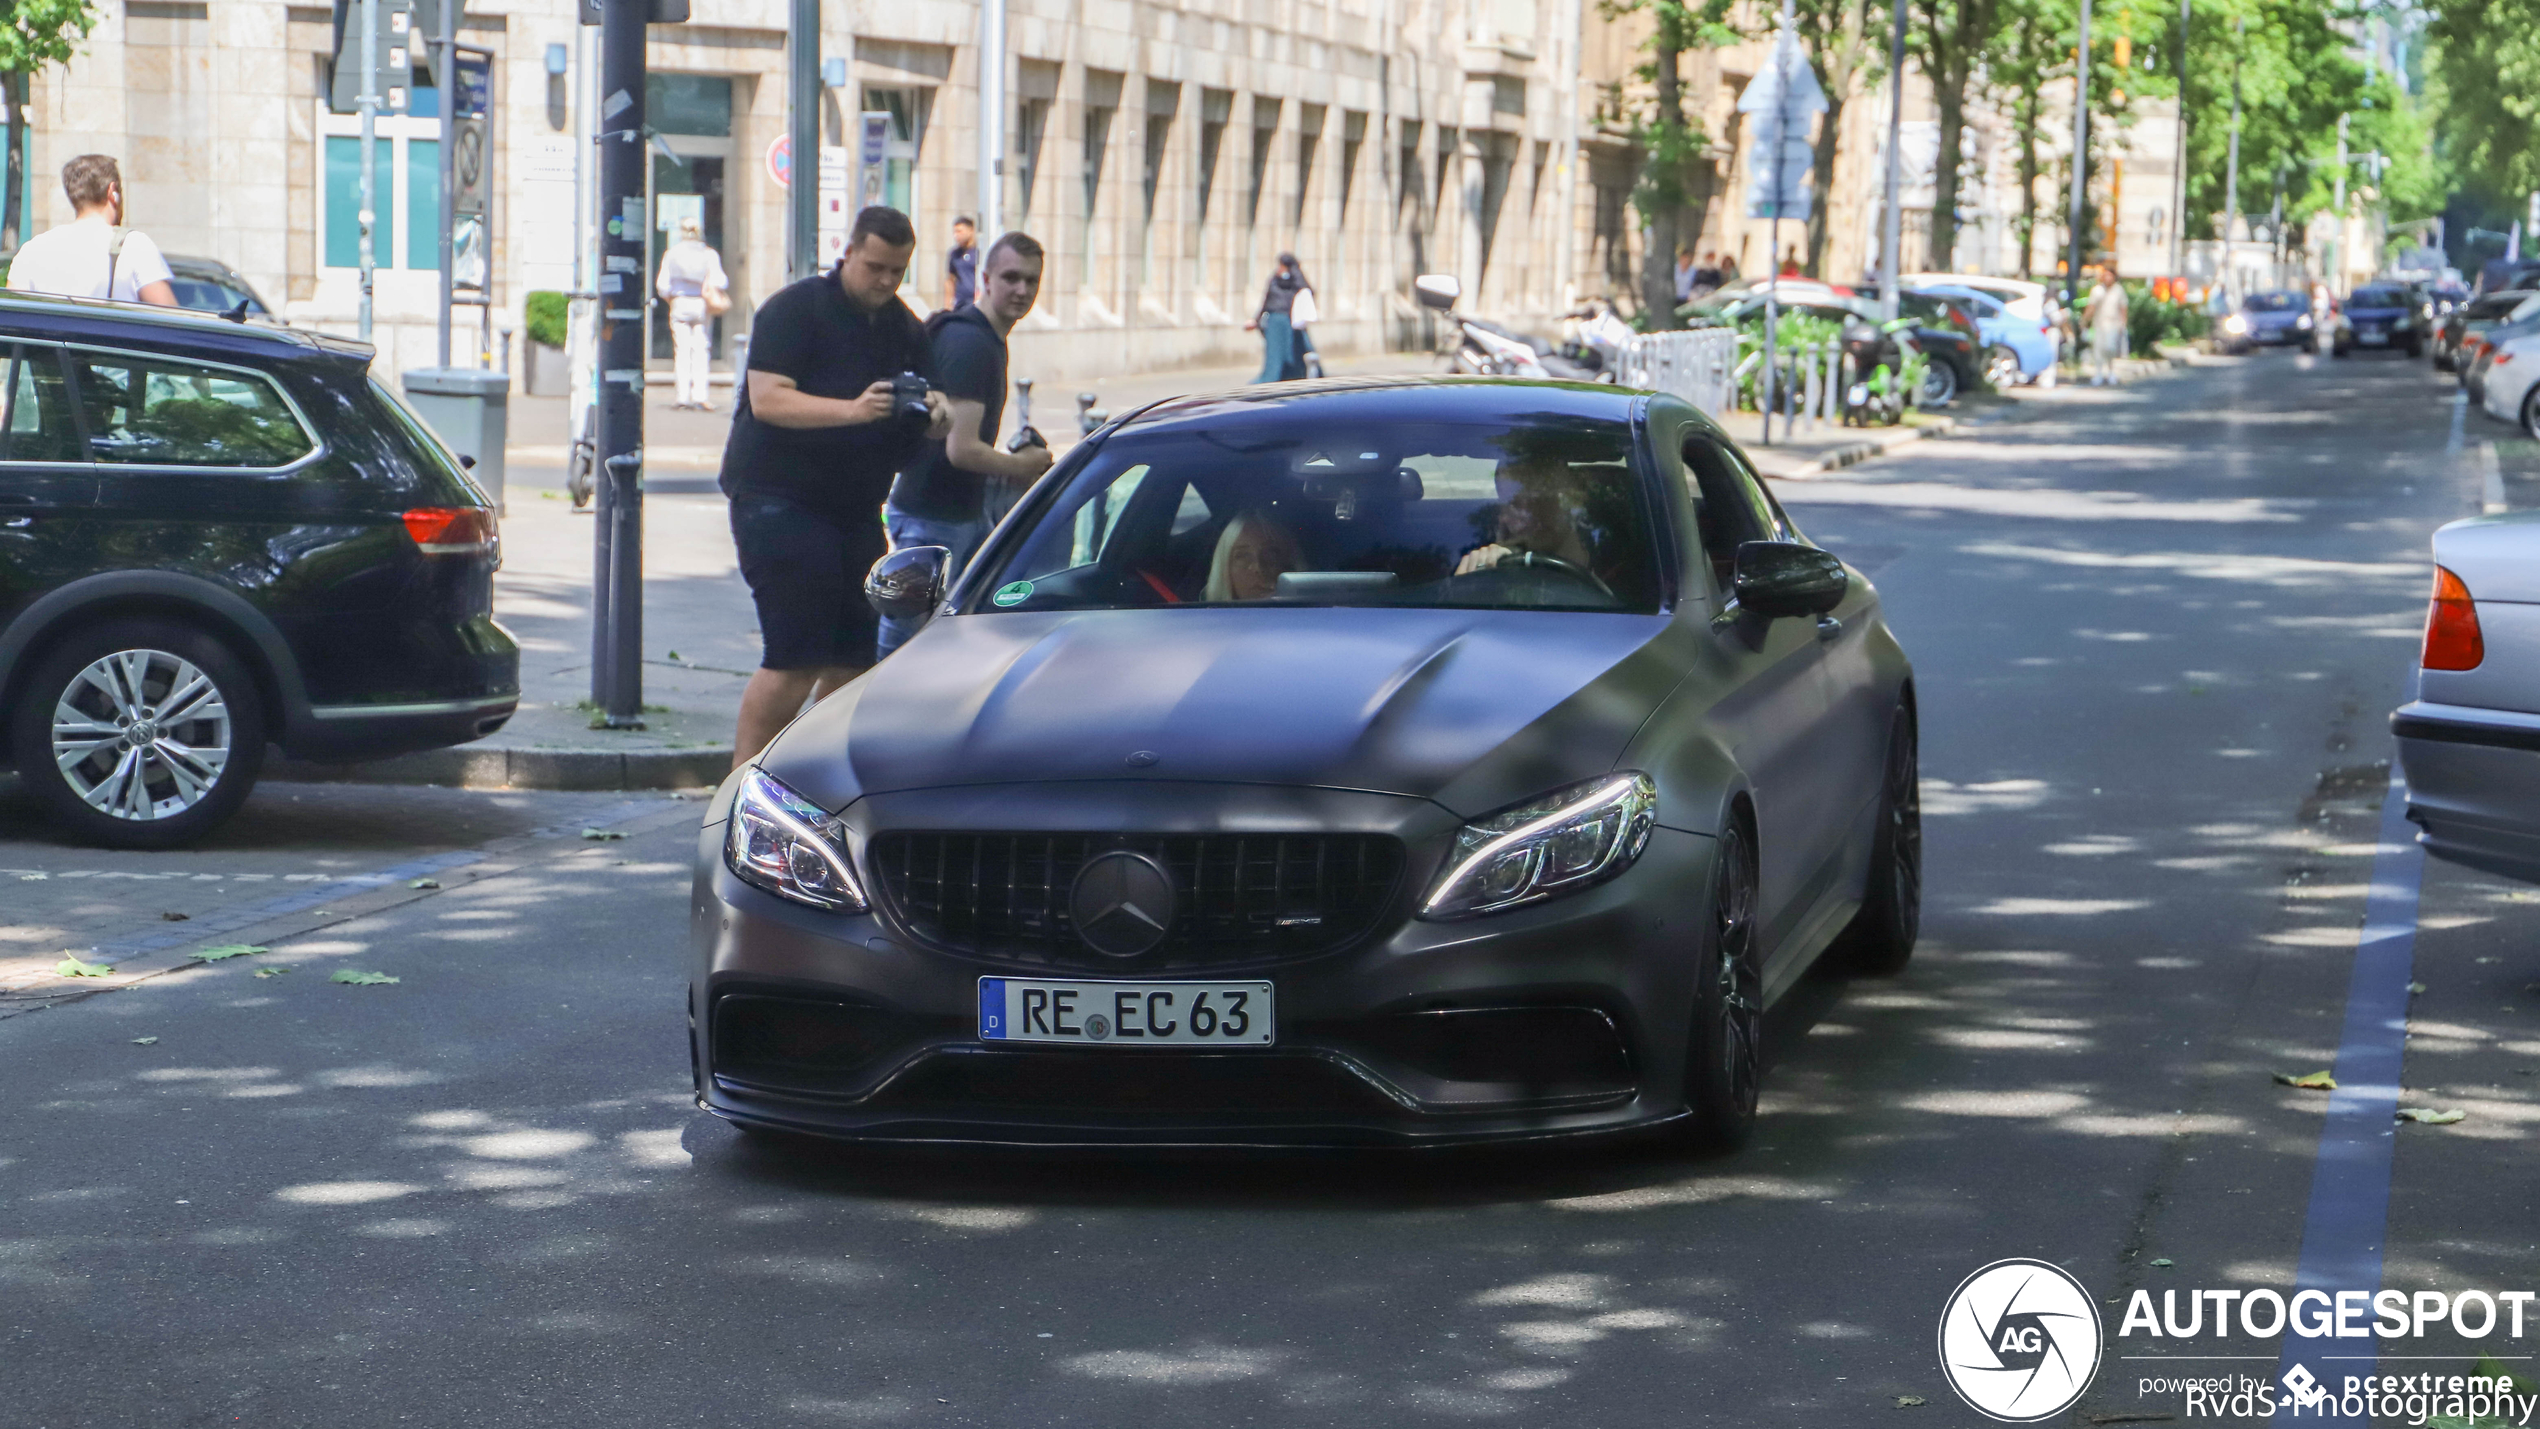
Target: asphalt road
[{"x": 2157, "y": 631}]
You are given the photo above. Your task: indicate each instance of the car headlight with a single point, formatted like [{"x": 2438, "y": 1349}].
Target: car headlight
[
  {"x": 789, "y": 846},
  {"x": 2303, "y": 322},
  {"x": 2236, "y": 325},
  {"x": 1567, "y": 840}
]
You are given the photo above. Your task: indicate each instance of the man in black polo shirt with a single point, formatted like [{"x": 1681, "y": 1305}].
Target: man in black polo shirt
[
  {"x": 815, "y": 441},
  {"x": 942, "y": 500}
]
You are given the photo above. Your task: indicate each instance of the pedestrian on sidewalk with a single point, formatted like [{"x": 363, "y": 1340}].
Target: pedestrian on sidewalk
[
  {"x": 93, "y": 255},
  {"x": 942, "y": 500},
  {"x": 2105, "y": 317},
  {"x": 1303, "y": 314},
  {"x": 692, "y": 280},
  {"x": 961, "y": 266},
  {"x": 1280, "y": 361},
  {"x": 817, "y": 434}
]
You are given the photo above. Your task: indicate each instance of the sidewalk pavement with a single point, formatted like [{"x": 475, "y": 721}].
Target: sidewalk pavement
[{"x": 701, "y": 637}]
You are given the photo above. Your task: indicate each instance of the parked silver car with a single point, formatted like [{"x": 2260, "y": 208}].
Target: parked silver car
[{"x": 2470, "y": 741}]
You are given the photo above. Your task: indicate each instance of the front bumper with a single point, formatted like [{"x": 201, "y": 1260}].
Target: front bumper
[
  {"x": 2473, "y": 785},
  {"x": 1567, "y": 1018}
]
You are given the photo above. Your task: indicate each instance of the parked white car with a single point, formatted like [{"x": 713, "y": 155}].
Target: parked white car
[
  {"x": 2513, "y": 383},
  {"x": 2022, "y": 297},
  {"x": 2470, "y": 742}
]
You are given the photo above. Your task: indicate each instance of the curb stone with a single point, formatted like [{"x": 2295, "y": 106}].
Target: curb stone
[{"x": 469, "y": 766}]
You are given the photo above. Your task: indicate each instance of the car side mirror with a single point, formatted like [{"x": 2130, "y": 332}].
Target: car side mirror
[
  {"x": 908, "y": 584},
  {"x": 1778, "y": 578},
  {"x": 1437, "y": 290}
]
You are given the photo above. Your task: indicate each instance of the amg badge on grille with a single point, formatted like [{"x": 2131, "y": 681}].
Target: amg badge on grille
[{"x": 1122, "y": 903}]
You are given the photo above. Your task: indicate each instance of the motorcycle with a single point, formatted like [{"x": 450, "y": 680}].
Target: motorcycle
[{"x": 1486, "y": 349}]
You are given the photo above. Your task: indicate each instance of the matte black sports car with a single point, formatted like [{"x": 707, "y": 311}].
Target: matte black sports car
[{"x": 1341, "y": 763}]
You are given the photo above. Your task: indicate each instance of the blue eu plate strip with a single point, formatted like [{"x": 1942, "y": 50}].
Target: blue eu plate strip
[{"x": 992, "y": 1008}]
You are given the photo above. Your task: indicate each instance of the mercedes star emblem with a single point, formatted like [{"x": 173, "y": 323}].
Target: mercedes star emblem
[{"x": 1122, "y": 903}]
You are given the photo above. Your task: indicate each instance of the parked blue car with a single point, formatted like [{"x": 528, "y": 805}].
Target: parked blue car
[
  {"x": 2278, "y": 319},
  {"x": 2015, "y": 349}
]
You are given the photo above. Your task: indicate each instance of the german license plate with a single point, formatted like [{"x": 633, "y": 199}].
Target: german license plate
[
  {"x": 1126, "y": 1014},
  {"x": 2371, "y": 336}
]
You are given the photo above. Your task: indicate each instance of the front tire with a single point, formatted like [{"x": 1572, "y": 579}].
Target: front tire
[
  {"x": 2531, "y": 413},
  {"x": 140, "y": 734},
  {"x": 2001, "y": 367},
  {"x": 1724, "y": 1056},
  {"x": 1880, "y": 940},
  {"x": 1940, "y": 385}
]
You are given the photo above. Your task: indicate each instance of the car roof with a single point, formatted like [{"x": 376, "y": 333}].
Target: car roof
[
  {"x": 44, "y": 315},
  {"x": 1385, "y": 399}
]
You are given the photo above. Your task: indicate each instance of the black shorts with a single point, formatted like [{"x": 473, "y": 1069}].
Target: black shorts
[{"x": 806, "y": 572}]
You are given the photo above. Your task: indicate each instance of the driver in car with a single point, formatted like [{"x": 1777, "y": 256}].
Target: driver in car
[
  {"x": 1534, "y": 518},
  {"x": 1251, "y": 556}
]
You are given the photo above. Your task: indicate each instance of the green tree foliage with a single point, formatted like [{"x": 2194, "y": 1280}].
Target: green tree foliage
[
  {"x": 2482, "y": 65},
  {"x": 33, "y": 34},
  {"x": 1848, "y": 50},
  {"x": 1677, "y": 175},
  {"x": 2296, "y": 75},
  {"x": 1950, "y": 39}
]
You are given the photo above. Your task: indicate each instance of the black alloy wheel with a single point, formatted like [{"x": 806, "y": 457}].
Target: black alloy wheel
[
  {"x": 1724, "y": 1057},
  {"x": 1880, "y": 940},
  {"x": 139, "y": 733}
]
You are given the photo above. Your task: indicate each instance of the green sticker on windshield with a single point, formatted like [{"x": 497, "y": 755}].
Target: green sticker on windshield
[{"x": 1013, "y": 594}]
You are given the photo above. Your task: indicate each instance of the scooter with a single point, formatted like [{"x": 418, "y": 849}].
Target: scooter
[{"x": 1488, "y": 350}]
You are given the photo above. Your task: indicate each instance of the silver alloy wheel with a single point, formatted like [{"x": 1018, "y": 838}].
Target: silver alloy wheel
[
  {"x": 2002, "y": 367},
  {"x": 141, "y": 735}
]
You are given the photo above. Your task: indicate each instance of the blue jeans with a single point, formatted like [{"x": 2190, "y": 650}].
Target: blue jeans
[{"x": 961, "y": 538}]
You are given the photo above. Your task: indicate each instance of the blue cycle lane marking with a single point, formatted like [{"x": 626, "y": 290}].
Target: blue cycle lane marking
[{"x": 2349, "y": 1217}]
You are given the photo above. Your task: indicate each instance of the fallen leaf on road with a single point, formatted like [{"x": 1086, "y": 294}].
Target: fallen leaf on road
[
  {"x": 425, "y": 883},
  {"x": 2415, "y": 987},
  {"x": 2165, "y": 1261},
  {"x": 2314, "y": 1082},
  {"x": 2427, "y": 1116},
  {"x": 601, "y": 835},
  {"x": 145, "y": 1041},
  {"x": 229, "y": 950},
  {"x": 358, "y": 979},
  {"x": 1910, "y": 1401},
  {"x": 177, "y": 917},
  {"x": 271, "y": 972},
  {"x": 73, "y": 967},
  {"x": 674, "y": 654}
]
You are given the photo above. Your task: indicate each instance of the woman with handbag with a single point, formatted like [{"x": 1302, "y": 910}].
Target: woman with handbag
[{"x": 692, "y": 279}]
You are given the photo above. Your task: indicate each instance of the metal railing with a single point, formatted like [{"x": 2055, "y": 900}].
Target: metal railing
[{"x": 1698, "y": 366}]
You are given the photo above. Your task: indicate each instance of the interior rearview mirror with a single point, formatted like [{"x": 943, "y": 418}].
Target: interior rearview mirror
[
  {"x": 1778, "y": 578},
  {"x": 908, "y": 584},
  {"x": 1437, "y": 290}
]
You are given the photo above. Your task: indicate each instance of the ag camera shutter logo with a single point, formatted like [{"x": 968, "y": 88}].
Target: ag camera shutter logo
[{"x": 2019, "y": 1341}]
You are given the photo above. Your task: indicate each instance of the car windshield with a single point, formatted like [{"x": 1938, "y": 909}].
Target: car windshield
[
  {"x": 1541, "y": 511},
  {"x": 210, "y": 295},
  {"x": 2274, "y": 302},
  {"x": 2377, "y": 298}
]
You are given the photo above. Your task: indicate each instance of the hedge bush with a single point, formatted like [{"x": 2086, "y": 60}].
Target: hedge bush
[{"x": 543, "y": 314}]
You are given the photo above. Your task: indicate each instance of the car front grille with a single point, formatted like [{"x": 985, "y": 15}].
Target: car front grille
[{"x": 1239, "y": 898}]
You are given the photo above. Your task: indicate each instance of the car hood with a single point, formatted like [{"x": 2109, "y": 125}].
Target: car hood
[
  {"x": 2269, "y": 317},
  {"x": 1474, "y": 709},
  {"x": 2376, "y": 315}
]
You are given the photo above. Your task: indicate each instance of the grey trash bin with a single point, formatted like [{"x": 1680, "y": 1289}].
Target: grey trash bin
[{"x": 469, "y": 408}]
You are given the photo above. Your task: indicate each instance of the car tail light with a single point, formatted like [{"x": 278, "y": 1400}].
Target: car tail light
[
  {"x": 1958, "y": 320},
  {"x": 2452, "y": 641},
  {"x": 2503, "y": 356},
  {"x": 451, "y": 530}
]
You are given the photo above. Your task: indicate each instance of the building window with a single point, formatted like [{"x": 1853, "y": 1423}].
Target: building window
[
  {"x": 1162, "y": 100},
  {"x": 1309, "y": 147},
  {"x": 908, "y": 109},
  {"x": 1036, "y": 88},
  {"x": 689, "y": 104},
  {"x": 406, "y": 190},
  {"x": 1102, "y": 105},
  {"x": 1215, "y": 107},
  {"x": 1265, "y": 132}
]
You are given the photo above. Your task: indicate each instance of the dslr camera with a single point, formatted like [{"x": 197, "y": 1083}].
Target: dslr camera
[{"x": 908, "y": 399}]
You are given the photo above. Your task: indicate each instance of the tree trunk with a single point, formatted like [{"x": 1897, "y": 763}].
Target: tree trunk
[
  {"x": 1658, "y": 264},
  {"x": 2029, "y": 103},
  {"x": 1949, "y": 95},
  {"x": 13, "y": 222},
  {"x": 1829, "y": 131}
]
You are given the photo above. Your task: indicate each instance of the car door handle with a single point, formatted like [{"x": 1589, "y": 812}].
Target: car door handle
[{"x": 1828, "y": 627}]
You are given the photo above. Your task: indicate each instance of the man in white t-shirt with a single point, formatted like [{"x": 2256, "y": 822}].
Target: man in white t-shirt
[{"x": 87, "y": 257}]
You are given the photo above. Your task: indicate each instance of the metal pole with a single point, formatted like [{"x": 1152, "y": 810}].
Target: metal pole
[
  {"x": 1773, "y": 245},
  {"x": 369, "y": 104},
  {"x": 2337, "y": 235},
  {"x": 2077, "y": 242},
  {"x": 618, "y": 642},
  {"x": 2178, "y": 159},
  {"x": 1892, "y": 223},
  {"x": 802, "y": 94},
  {"x": 991, "y": 119},
  {"x": 446, "y": 72},
  {"x": 2231, "y": 165}
]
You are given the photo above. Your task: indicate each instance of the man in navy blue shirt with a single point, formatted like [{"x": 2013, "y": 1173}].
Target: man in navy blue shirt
[
  {"x": 816, "y": 439},
  {"x": 961, "y": 267},
  {"x": 941, "y": 500}
]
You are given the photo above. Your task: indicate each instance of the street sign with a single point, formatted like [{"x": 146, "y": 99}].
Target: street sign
[
  {"x": 834, "y": 189},
  {"x": 780, "y": 161},
  {"x": 471, "y": 149},
  {"x": 1783, "y": 98}
]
